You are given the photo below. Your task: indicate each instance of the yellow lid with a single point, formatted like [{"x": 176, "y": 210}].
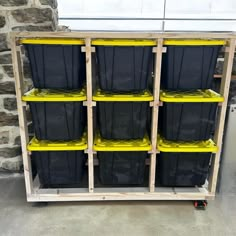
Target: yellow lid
[
  {"x": 123, "y": 42},
  {"x": 45, "y": 145},
  {"x": 110, "y": 145},
  {"x": 164, "y": 145},
  {"x": 190, "y": 96},
  {"x": 52, "y": 41},
  {"x": 51, "y": 95},
  {"x": 193, "y": 42},
  {"x": 102, "y": 96}
]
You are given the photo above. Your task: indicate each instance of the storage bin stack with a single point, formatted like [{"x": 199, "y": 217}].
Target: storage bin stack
[
  {"x": 187, "y": 117},
  {"x": 122, "y": 142},
  {"x": 56, "y": 105}
]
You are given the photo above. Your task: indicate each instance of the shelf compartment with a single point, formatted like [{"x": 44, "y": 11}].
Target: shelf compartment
[
  {"x": 56, "y": 63},
  {"x": 124, "y": 65},
  {"x": 189, "y": 64}
]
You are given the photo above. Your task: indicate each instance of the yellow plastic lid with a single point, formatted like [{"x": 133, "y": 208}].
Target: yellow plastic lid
[
  {"x": 164, "y": 145},
  {"x": 51, "y": 95},
  {"x": 193, "y": 42},
  {"x": 123, "y": 42},
  {"x": 45, "y": 145},
  {"x": 102, "y": 96},
  {"x": 53, "y": 41},
  {"x": 190, "y": 96},
  {"x": 110, "y": 145}
]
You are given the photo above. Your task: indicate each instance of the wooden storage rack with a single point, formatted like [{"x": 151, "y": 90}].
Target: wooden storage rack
[{"x": 37, "y": 194}]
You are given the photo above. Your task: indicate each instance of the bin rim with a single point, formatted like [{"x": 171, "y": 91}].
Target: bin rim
[
  {"x": 46, "y": 145},
  {"x": 53, "y": 41},
  {"x": 123, "y": 42},
  {"x": 103, "y": 96},
  {"x": 164, "y": 145},
  {"x": 54, "y": 95},
  {"x": 197, "y": 96},
  {"x": 110, "y": 145},
  {"x": 193, "y": 42}
]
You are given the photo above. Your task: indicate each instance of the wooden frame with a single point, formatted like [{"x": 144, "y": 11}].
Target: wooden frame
[{"x": 37, "y": 194}]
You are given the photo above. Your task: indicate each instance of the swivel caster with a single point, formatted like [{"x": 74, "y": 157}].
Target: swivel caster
[{"x": 200, "y": 204}]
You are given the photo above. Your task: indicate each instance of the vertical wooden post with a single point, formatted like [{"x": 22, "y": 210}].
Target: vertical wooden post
[
  {"x": 224, "y": 91},
  {"x": 18, "y": 74},
  {"x": 88, "y": 51},
  {"x": 155, "y": 109}
]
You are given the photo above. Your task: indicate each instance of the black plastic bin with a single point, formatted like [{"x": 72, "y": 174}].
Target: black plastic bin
[
  {"x": 58, "y": 120},
  {"x": 124, "y": 68},
  {"x": 187, "y": 121},
  {"x": 57, "y": 66},
  {"x": 189, "y": 67},
  {"x": 183, "y": 169},
  {"x": 56, "y": 168},
  {"x": 118, "y": 168},
  {"x": 122, "y": 120}
]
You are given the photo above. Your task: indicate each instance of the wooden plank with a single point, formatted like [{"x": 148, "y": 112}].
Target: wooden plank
[
  {"x": 224, "y": 91},
  {"x": 233, "y": 77},
  {"x": 18, "y": 75},
  {"x": 88, "y": 53},
  {"x": 155, "y": 109},
  {"x": 110, "y": 194},
  {"x": 134, "y": 35}
]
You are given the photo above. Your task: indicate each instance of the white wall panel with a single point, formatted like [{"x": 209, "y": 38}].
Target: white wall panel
[
  {"x": 111, "y": 8},
  {"x": 112, "y": 25},
  {"x": 199, "y": 25},
  {"x": 209, "y": 15},
  {"x": 201, "y": 9}
]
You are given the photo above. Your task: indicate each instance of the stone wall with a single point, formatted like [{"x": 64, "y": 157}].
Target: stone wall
[{"x": 17, "y": 15}]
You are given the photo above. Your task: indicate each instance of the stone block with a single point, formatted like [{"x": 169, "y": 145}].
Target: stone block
[
  {"x": 8, "y": 70},
  {"x": 3, "y": 42},
  {"x": 4, "y": 137},
  {"x": 5, "y": 58},
  {"x": 10, "y": 151},
  {"x": 32, "y": 15},
  {"x": 33, "y": 28},
  {"x": 12, "y": 3},
  {"x": 51, "y": 3},
  {"x": 10, "y": 104},
  {"x": 7, "y": 87},
  {"x": 17, "y": 141},
  {"x": 2, "y": 21},
  {"x": 12, "y": 164},
  {"x": 26, "y": 68},
  {"x": 7, "y": 119}
]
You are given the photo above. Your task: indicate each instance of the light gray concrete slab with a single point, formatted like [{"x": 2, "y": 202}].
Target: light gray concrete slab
[{"x": 17, "y": 217}]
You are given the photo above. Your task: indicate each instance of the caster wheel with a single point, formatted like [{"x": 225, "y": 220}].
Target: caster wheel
[
  {"x": 200, "y": 204},
  {"x": 39, "y": 204}
]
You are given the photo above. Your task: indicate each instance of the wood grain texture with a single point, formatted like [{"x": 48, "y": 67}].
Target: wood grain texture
[{"x": 21, "y": 108}]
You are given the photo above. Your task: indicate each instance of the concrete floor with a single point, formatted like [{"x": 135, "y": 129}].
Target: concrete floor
[{"x": 17, "y": 217}]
